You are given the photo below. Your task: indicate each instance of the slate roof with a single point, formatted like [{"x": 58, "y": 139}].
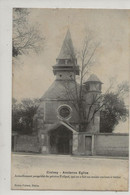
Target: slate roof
[
  {"x": 93, "y": 78},
  {"x": 64, "y": 123},
  {"x": 67, "y": 49},
  {"x": 60, "y": 90},
  {"x": 65, "y": 90}
]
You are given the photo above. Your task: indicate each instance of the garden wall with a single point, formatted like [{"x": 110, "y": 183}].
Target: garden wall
[
  {"x": 104, "y": 144},
  {"x": 26, "y": 143},
  {"x": 111, "y": 144}
]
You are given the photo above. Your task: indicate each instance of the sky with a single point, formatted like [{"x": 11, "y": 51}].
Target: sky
[{"x": 32, "y": 74}]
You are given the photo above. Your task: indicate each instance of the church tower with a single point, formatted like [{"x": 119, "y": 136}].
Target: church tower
[
  {"x": 56, "y": 103},
  {"x": 92, "y": 98},
  {"x": 66, "y": 65},
  {"x": 57, "y": 119}
]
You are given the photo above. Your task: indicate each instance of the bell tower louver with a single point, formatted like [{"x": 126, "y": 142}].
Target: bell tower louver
[{"x": 66, "y": 65}]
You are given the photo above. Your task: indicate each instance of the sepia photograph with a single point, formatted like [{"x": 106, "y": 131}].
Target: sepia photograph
[{"x": 70, "y": 99}]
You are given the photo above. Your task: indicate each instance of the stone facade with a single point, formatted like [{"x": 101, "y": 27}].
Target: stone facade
[{"x": 56, "y": 122}]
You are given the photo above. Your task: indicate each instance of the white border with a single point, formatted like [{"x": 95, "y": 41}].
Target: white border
[{"x": 5, "y": 76}]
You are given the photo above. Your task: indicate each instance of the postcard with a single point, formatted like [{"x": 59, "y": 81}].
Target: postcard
[{"x": 70, "y": 92}]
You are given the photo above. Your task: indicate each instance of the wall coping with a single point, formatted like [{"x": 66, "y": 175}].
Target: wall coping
[{"x": 114, "y": 134}]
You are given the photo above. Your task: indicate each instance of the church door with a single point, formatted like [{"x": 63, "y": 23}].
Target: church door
[{"x": 60, "y": 141}]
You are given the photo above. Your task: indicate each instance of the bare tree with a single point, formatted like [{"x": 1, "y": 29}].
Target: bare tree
[
  {"x": 25, "y": 38},
  {"x": 76, "y": 94}
]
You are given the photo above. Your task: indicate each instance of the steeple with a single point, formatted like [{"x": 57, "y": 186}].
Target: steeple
[
  {"x": 66, "y": 60},
  {"x": 67, "y": 49}
]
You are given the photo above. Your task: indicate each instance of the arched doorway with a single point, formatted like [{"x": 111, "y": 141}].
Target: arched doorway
[{"x": 60, "y": 140}]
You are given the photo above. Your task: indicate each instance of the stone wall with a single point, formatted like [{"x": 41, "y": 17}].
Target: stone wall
[
  {"x": 100, "y": 144},
  {"x": 26, "y": 143},
  {"x": 111, "y": 144},
  {"x": 105, "y": 144}
]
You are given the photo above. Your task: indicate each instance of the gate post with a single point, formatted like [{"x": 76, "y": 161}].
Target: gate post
[
  {"x": 75, "y": 143},
  {"x": 44, "y": 143}
]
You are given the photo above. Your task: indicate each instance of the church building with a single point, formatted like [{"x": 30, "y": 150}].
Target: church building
[
  {"x": 57, "y": 122},
  {"x": 63, "y": 124}
]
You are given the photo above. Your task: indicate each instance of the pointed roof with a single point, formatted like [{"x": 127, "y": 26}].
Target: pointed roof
[
  {"x": 93, "y": 78},
  {"x": 64, "y": 123},
  {"x": 67, "y": 49},
  {"x": 58, "y": 90}
]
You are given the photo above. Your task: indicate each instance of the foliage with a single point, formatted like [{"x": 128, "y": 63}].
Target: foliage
[
  {"x": 111, "y": 103},
  {"x": 113, "y": 112},
  {"x": 22, "y": 115},
  {"x": 26, "y": 37}
]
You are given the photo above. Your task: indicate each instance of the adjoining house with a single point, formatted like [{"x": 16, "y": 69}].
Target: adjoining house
[{"x": 56, "y": 123}]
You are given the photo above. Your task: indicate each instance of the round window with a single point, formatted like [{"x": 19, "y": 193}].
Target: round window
[{"x": 64, "y": 111}]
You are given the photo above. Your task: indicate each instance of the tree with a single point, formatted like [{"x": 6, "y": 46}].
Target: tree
[
  {"x": 76, "y": 95},
  {"x": 22, "y": 115},
  {"x": 114, "y": 109},
  {"x": 26, "y": 38},
  {"x": 110, "y": 103}
]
